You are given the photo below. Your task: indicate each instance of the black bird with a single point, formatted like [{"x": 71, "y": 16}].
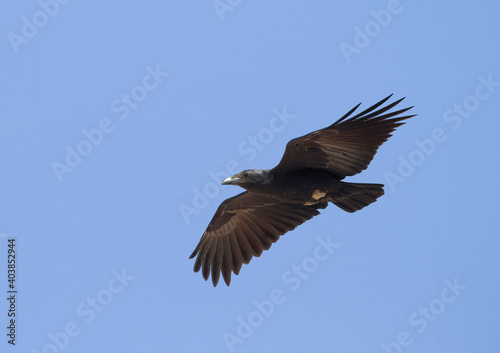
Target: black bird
[{"x": 307, "y": 178}]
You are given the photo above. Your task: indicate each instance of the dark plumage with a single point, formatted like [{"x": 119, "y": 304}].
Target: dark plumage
[{"x": 307, "y": 178}]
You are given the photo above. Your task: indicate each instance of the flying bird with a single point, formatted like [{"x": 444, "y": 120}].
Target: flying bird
[{"x": 308, "y": 176}]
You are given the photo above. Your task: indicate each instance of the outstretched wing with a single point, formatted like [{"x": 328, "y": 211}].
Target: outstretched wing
[
  {"x": 346, "y": 147},
  {"x": 242, "y": 227}
]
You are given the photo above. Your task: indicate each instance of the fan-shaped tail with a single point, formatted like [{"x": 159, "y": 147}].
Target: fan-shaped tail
[{"x": 358, "y": 195}]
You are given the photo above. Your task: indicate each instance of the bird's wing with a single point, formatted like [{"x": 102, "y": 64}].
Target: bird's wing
[
  {"x": 346, "y": 147},
  {"x": 242, "y": 227}
]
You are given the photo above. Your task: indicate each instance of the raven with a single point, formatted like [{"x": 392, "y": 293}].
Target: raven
[{"x": 307, "y": 178}]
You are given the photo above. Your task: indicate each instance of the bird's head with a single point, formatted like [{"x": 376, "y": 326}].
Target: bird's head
[{"x": 249, "y": 179}]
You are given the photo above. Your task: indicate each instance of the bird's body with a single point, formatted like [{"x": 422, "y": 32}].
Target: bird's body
[
  {"x": 303, "y": 186},
  {"x": 309, "y": 176}
]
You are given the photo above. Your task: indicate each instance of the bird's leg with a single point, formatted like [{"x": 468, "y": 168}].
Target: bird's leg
[{"x": 318, "y": 194}]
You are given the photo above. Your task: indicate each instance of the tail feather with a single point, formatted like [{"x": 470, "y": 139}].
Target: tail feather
[{"x": 358, "y": 195}]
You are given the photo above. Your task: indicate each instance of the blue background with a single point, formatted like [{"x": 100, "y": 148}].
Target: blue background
[{"x": 229, "y": 72}]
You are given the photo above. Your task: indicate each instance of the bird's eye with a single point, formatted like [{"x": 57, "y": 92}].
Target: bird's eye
[{"x": 245, "y": 175}]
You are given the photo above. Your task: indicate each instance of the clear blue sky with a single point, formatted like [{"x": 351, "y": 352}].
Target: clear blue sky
[{"x": 117, "y": 116}]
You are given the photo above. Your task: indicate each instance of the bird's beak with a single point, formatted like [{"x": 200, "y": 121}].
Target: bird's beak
[{"x": 231, "y": 180}]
